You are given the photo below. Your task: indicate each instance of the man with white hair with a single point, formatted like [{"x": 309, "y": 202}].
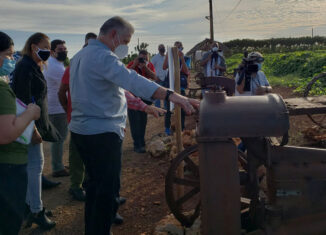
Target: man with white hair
[{"x": 97, "y": 82}]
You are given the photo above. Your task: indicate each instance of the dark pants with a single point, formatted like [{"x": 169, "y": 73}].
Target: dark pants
[
  {"x": 167, "y": 120},
  {"x": 13, "y": 186},
  {"x": 101, "y": 155},
  {"x": 137, "y": 123}
]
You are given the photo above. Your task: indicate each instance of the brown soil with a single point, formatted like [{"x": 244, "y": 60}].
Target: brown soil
[{"x": 142, "y": 185}]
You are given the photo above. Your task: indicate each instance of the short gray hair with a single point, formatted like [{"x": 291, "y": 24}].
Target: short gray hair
[{"x": 117, "y": 23}]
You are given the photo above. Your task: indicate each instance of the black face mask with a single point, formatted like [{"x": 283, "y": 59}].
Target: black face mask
[
  {"x": 62, "y": 55},
  {"x": 43, "y": 54},
  {"x": 162, "y": 50}
]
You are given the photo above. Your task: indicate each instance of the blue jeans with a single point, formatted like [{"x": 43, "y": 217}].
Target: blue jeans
[
  {"x": 101, "y": 155},
  {"x": 34, "y": 173},
  {"x": 60, "y": 122},
  {"x": 13, "y": 185}
]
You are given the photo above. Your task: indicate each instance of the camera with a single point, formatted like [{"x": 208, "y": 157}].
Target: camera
[
  {"x": 247, "y": 67},
  {"x": 141, "y": 60}
]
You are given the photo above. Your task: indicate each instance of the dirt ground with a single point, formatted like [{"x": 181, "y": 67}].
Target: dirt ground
[{"x": 142, "y": 185}]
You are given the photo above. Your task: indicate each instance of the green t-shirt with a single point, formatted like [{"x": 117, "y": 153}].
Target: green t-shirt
[{"x": 13, "y": 153}]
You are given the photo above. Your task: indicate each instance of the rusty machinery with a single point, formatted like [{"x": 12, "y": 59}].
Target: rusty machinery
[{"x": 227, "y": 193}]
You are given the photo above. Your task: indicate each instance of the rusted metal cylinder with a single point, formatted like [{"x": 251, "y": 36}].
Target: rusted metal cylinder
[{"x": 243, "y": 116}]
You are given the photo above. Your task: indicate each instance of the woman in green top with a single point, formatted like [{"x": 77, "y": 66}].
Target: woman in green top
[{"x": 13, "y": 155}]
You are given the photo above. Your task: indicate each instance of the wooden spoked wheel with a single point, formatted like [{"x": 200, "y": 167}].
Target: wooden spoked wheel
[
  {"x": 319, "y": 83},
  {"x": 183, "y": 193}
]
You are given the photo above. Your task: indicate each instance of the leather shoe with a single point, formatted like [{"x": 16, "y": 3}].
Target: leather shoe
[
  {"x": 78, "y": 194},
  {"x": 27, "y": 211},
  {"x": 47, "y": 184},
  {"x": 118, "y": 219},
  {"x": 61, "y": 173},
  {"x": 122, "y": 200},
  {"x": 40, "y": 219}
]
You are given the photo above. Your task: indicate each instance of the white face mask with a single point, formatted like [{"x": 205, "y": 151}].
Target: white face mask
[{"x": 121, "y": 50}]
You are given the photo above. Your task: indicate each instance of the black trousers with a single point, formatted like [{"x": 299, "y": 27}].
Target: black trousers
[
  {"x": 167, "y": 119},
  {"x": 137, "y": 123},
  {"x": 101, "y": 155},
  {"x": 13, "y": 187}
]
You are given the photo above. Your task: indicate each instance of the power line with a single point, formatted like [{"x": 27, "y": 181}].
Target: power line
[
  {"x": 232, "y": 11},
  {"x": 219, "y": 20}
]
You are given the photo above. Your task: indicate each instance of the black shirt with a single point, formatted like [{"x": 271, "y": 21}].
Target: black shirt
[{"x": 29, "y": 85}]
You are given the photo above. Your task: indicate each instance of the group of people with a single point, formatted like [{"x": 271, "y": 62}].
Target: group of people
[{"x": 91, "y": 98}]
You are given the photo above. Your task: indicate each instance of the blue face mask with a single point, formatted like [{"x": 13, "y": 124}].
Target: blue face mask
[
  {"x": 7, "y": 67},
  {"x": 259, "y": 66}
]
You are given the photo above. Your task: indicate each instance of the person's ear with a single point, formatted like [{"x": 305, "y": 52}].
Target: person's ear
[{"x": 34, "y": 47}]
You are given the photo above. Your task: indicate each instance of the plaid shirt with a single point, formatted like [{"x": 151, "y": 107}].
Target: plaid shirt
[{"x": 134, "y": 102}]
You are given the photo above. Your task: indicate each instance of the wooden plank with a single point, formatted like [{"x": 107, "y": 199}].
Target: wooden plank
[
  {"x": 307, "y": 105},
  {"x": 180, "y": 188}
]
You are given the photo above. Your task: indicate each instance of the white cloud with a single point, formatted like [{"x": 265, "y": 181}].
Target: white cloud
[{"x": 164, "y": 21}]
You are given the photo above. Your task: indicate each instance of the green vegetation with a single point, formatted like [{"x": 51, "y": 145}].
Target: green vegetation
[
  {"x": 292, "y": 69},
  {"x": 277, "y": 44}
]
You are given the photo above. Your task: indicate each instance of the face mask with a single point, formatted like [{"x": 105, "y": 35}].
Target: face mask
[
  {"x": 162, "y": 50},
  {"x": 180, "y": 49},
  {"x": 43, "y": 54},
  {"x": 259, "y": 66},
  {"x": 62, "y": 55},
  {"x": 7, "y": 67},
  {"x": 121, "y": 50},
  {"x": 215, "y": 49}
]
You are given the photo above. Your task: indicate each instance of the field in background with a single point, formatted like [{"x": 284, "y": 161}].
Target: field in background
[{"x": 290, "y": 69}]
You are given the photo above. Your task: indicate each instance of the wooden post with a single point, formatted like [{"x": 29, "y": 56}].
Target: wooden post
[
  {"x": 211, "y": 23},
  {"x": 177, "y": 115}
]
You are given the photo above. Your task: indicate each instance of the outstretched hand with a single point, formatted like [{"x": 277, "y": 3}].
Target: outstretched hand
[
  {"x": 188, "y": 105},
  {"x": 156, "y": 112}
]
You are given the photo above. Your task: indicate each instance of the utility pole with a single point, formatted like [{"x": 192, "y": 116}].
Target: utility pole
[
  {"x": 312, "y": 32},
  {"x": 211, "y": 19}
]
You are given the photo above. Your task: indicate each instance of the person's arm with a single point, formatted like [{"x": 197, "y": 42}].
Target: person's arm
[
  {"x": 133, "y": 64},
  {"x": 184, "y": 67},
  {"x": 22, "y": 83},
  {"x": 136, "y": 103},
  {"x": 64, "y": 87},
  {"x": 207, "y": 57},
  {"x": 266, "y": 88},
  {"x": 62, "y": 94},
  {"x": 12, "y": 126},
  {"x": 129, "y": 80},
  {"x": 150, "y": 71},
  {"x": 222, "y": 65},
  {"x": 165, "y": 63},
  {"x": 240, "y": 86}
]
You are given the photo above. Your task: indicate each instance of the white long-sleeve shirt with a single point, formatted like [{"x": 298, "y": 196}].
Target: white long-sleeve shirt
[{"x": 53, "y": 73}]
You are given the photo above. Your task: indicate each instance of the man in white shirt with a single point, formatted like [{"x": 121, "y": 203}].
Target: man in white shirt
[
  {"x": 158, "y": 60},
  {"x": 53, "y": 73},
  {"x": 214, "y": 62}
]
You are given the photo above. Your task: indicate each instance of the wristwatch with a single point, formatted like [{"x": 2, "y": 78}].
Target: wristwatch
[{"x": 168, "y": 93}]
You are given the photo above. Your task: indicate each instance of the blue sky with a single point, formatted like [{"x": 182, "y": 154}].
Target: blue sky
[{"x": 163, "y": 21}]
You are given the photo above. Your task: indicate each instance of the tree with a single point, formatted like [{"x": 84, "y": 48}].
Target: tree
[
  {"x": 142, "y": 46},
  {"x": 132, "y": 55}
]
